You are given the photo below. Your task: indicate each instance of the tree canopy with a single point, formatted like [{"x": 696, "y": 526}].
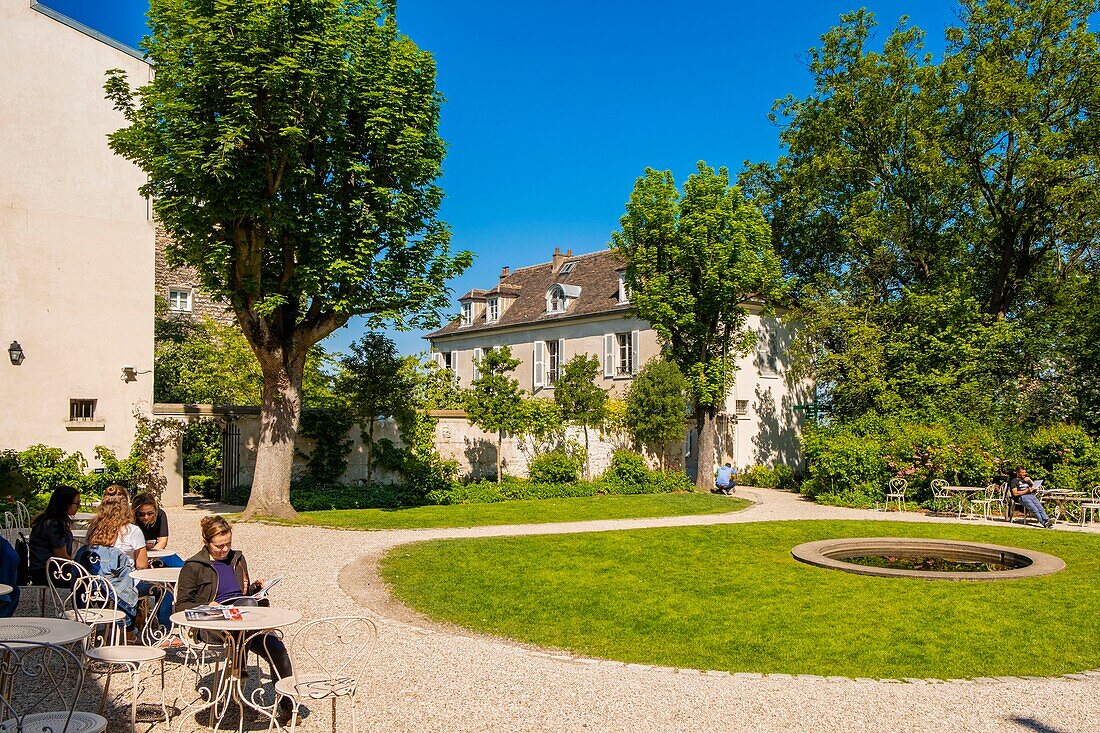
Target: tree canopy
[
  {"x": 581, "y": 400},
  {"x": 292, "y": 152},
  {"x": 656, "y": 405},
  {"x": 694, "y": 261},
  {"x": 495, "y": 402}
]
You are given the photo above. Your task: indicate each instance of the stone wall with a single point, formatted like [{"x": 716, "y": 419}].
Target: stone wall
[{"x": 185, "y": 278}]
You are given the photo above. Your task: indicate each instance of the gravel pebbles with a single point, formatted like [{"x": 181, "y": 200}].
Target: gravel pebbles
[{"x": 429, "y": 677}]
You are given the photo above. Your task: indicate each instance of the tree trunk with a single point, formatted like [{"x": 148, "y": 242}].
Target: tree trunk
[
  {"x": 370, "y": 448},
  {"x": 280, "y": 416},
  {"x": 500, "y": 456},
  {"x": 587, "y": 458},
  {"x": 707, "y": 427}
]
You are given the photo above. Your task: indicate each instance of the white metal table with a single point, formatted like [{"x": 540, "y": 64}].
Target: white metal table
[
  {"x": 40, "y": 631},
  {"x": 152, "y": 633},
  {"x": 162, "y": 552},
  {"x": 235, "y": 636},
  {"x": 5, "y": 589},
  {"x": 964, "y": 493}
]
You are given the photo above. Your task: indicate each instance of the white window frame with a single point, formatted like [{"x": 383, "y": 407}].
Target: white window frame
[
  {"x": 492, "y": 310},
  {"x": 467, "y": 313},
  {"x": 624, "y": 289},
  {"x": 554, "y": 360},
  {"x": 475, "y": 372},
  {"x": 620, "y": 354},
  {"x": 554, "y": 296},
  {"x": 183, "y": 303},
  {"x": 82, "y": 409},
  {"x": 567, "y": 267},
  {"x": 767, "y": 352},
  {"x": 741, "y": 408}
]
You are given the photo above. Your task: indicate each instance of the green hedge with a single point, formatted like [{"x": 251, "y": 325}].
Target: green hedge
[{"x": 851, "y": 463}]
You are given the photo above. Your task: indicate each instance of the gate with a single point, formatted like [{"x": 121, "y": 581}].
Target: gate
[{"x": 231, "y": 459}]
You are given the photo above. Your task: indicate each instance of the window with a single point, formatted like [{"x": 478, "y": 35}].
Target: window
[
  {"x": 624, "y": 289},
  {"x": 551, "y": 362},
  {"x": 446, "y": 361},
  {"x": 81, "y": 410},
  {"x": 620, "y": 354},
  {"x": 467, "y": 313},
  {"x": 741, "y": 407},
  {"x": 475, "y": 373},
  {"x": 555, "y": 300},
  {"x": 567, "y": 268},
  {"x": 179, "y": 300},
  {"x": 492, "y": 312},
  {"x": 767, "y": 352},
  {"x": 546, "y": 362}
]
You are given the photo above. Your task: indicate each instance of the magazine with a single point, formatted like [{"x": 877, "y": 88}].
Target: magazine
[
  {"x": 213, "y": 613},
  {"x": 268, "y": 585}
]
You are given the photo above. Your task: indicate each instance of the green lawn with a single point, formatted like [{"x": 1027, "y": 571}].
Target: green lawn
[
  {"x": 730, "y": 597},
  {"x": 535, "y": 511}
]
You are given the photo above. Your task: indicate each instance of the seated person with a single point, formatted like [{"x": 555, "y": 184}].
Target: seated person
[
  {"x": 1022, "y": 488},
  {"x": 153, "y": 523},
  {"x": 115, "y": 548},
  {"x": 218, "y": 574},
  {"x": 52, "y": 534}
]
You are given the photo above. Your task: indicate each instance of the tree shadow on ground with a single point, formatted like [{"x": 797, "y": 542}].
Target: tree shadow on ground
[{"x": 1035, "y": 725}]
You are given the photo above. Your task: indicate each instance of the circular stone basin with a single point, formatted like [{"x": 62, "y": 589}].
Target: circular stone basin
[{"x": 988, "y": 560}]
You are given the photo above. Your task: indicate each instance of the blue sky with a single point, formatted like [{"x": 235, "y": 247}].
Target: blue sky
[{"x": 553, "y": 111}]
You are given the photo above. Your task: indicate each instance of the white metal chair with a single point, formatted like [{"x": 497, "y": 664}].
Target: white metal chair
[
  {"x": 1090, "y": 506},
  {"x": 941, "y": 497},
  {"x": 330, "y": 656},
  {"x": 22, "y": 514},
  {"x": 895, "y": 492},
  {"x": 93, "y": 602},
  {"x": 61, "y": 575},
  {"x": 985, "y": 502},
  {"x": 43, "y": 675}
]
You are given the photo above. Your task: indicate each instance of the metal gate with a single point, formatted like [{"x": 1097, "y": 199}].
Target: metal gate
[{"x": 231, "y": 459}]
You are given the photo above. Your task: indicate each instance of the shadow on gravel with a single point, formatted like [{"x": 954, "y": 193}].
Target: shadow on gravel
[{"x": 1035, "y": 725}]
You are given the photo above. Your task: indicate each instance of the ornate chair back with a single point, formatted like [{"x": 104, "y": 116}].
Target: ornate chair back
[
  {"x": 334, "y": 652},
  {"x": 93, "y": 602},
  {"x": 42, "y": 677},
  {"x": 61, "y": 574},
  {"x": 22, "y": 514}
]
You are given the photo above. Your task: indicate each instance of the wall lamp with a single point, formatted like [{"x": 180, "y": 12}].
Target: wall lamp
[{"x": 15, "y": 353}]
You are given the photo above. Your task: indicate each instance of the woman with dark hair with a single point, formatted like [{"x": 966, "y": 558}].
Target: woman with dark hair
[
  {"x": 219, "y": 574},
  {"x": 52, "y": 533},
  {"x": 153, "y": 523}
]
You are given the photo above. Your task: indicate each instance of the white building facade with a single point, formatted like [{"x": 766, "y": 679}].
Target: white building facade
[{"x": 549, "y": 313}]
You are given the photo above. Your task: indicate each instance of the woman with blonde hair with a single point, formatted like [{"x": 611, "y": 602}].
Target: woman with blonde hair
[{"x": 115, "y": 547}]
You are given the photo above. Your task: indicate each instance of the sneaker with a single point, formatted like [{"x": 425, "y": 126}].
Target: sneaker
[{"x": 1049, "y": 524}]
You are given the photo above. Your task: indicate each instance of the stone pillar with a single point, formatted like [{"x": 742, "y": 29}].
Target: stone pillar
[{"x": 173, "y": 474}]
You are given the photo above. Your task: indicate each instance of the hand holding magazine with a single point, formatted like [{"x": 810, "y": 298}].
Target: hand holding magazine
[{"x": 265, "y": 587}]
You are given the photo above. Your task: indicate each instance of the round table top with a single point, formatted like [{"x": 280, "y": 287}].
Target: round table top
[
  {"x": 5, "y": 589},
  {"x": 80, "y": 534},
  {"x": 84, "y": 516},
  {"x": 43, "y": 630},
  {"x": 256, "y": 618},
  {"x": 163, "y": 552},
  {"x": 157, "y": 575}
]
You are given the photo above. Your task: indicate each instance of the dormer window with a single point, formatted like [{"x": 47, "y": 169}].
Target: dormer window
[
  {"x": 492, "y": 310},
  {"x": 624, "y": 289},
  {"x": 555, "y": 300},
  {"x": 467, "y": 313},
  {"x": 558, "y": 297},
  {"x": 567, "y": 268}
]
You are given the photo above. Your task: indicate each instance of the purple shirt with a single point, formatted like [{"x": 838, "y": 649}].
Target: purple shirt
[{"x": 228, "y": 585}]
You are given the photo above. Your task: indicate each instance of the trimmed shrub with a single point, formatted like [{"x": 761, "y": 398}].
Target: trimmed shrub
[
  {"x": 627, "y": 474},
  {"x": 207, "y": 486},
  {"x": 554, "y": 467},
  {"x": 781, "y": 476}
]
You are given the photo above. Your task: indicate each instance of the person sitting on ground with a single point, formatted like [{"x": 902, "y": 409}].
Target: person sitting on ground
[
  {"x": 1023, "y": 490},
  {"x": 52, "y": 534},
  {"x": 153, "y": 523},
  {"x": 115, "y": 548},
  {"x": 724, "y": 480},
  {"x": 218, "y": 574}
]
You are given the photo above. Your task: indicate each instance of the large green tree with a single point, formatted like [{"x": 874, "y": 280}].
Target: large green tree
[
  {"x": 292, "y": 150},
  {"x": 694, "y": 261},
  {"x": 581, "y": 400},
  {"x": 495, "y": 402}
]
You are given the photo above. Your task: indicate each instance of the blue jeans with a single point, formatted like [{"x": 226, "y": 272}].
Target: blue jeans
[
  {"x": 170, "y": 561},
  {"x": 1035, "y": 507}
]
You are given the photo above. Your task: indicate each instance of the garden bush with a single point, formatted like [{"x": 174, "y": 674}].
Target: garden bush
[
  {"x": 207, "y": 486},
  {"x": 780, "y": 476},
  {"x": 554, "y": 467},
  {"x": 627, "y": 473}
]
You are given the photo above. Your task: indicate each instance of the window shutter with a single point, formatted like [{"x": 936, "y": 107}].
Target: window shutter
[
  {"x": 634, "y": 339},
  {"x": 438, "y": 357},
  {"x": 561, "y": 355},
  {"x": 538, "y": 379},
  {"x": 475, "y": 373},
  {"x": 609, "y": 355}
]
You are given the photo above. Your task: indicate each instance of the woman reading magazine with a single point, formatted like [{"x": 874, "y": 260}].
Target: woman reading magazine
[{"x": 217, "y": 574}]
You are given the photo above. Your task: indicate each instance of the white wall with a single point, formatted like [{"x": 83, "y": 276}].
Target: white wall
[{"x": 76, "y": 240}]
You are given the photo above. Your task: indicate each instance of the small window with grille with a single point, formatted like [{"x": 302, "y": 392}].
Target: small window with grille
[
  {"x": 81, "y": 410},
  {"x": 741, "y": 407}
]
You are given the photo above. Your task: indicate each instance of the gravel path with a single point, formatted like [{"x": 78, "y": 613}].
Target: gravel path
[{"x": 431, "y": 677}]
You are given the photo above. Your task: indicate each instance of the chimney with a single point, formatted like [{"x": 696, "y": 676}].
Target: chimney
[
  {"x": 504, "y": 272},
  {"x": 555, "y": 263}
]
